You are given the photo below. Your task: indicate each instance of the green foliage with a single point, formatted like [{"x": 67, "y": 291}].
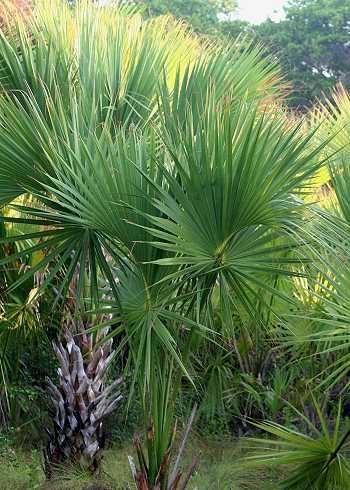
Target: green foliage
[
  {"x": 24, "y": 345},
  {"x": 320, "y": 459},
  {"x": 177, "y": 192},
  {"x": 312, "y": 44},
  {"x": 127, "y": 135},
  {"x": 215, "y": 472},
  {"x": 201, "y": 15}
]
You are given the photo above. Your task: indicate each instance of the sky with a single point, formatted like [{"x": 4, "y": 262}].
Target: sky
[{"x": 257, "y": 11}]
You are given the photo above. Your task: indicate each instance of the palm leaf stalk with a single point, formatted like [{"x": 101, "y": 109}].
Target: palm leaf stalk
[{"x": 171, "y": 478}]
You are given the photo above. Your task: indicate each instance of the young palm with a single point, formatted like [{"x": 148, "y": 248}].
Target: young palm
[{"x": 319, "y": 458}]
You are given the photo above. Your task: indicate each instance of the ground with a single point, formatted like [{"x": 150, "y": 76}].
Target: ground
[{"x": 218, "y": 470}]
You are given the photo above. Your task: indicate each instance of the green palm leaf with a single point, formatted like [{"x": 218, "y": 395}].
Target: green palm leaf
[{"x": 320, "y": 459}]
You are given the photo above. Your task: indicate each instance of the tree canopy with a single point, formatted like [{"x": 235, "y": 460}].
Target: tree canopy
[
  {"x": 202, "y": 15},
  {"x": 313, "y": 45}
]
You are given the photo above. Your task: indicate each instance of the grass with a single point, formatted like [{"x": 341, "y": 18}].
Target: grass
[{"x": 22, "y": 470}]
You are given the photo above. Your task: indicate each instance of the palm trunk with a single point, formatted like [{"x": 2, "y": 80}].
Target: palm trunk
[{"x": 81, "y": 401}]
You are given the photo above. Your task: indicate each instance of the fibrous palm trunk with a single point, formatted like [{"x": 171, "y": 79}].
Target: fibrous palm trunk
[{"x": 81, "y": 400}]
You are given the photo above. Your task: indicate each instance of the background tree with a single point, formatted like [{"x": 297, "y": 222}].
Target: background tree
[
  {"x": 313, "y": 45},
  {"x": 202, "y": 15}
]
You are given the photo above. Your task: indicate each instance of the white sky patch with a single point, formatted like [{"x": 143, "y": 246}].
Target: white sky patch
[{"x": 257, "y": 11}]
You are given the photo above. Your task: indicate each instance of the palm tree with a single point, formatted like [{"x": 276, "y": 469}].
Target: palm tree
[
  {"x": 172, "y": 171},
  {"x": 329, "y": 339}
]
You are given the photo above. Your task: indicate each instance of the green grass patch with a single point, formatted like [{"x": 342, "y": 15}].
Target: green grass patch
[{"x": 218, "y": 470}]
